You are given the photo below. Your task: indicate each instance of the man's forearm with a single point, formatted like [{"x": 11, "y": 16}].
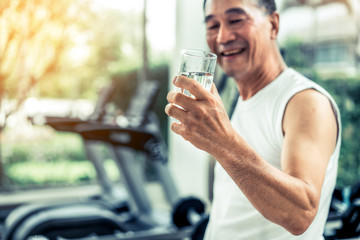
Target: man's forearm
[{"x": 279, "y": 197}]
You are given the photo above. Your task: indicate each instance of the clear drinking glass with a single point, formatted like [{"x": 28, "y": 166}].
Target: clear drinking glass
[{"x": 199, "y": 65}]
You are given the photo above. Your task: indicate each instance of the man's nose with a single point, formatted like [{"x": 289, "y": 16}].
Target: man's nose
[{"x": 225, "y": 34}]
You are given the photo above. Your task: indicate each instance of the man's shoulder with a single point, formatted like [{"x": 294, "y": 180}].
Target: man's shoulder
[{"x": 293, "y": 81}]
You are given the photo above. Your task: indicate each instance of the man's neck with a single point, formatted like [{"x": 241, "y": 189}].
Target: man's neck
[{"x": 249, "y": 84}]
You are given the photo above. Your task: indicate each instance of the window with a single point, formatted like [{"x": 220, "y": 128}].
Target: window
[{"x": 333, "y": 53}]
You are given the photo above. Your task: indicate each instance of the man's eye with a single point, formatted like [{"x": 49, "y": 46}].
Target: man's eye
[
  {"x": 213, "y": 26},
  {"x": 236, "y": 21}
]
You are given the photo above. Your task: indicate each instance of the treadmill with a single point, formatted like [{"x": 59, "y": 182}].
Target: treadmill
[{"x": 132, "y": 217}]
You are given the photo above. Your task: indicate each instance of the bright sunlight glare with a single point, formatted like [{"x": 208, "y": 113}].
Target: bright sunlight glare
[
  {"x": 160, "y": 19},
  {"x": 123, "y": 5}
]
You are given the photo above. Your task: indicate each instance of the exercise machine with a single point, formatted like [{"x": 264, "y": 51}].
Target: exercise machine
[
  {"x": 136, "y": 218},
  {"x": 344, "y": 215}
]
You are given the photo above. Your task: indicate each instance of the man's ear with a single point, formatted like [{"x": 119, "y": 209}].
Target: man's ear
[{"x": 274, "y": 23}]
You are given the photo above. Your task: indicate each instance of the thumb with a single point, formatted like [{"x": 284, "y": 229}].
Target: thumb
[{"x": 214, "y": 91}]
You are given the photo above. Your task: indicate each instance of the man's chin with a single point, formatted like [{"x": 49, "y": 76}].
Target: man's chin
[{"x": 232, "y": 71}]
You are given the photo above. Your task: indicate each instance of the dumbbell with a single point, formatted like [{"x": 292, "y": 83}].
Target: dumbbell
[
  {"x": 350, "y": 222},
  {"x": 190, "y": 211}
]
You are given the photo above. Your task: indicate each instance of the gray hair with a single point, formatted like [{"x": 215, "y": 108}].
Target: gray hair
[{"x": 269, "y": 5}]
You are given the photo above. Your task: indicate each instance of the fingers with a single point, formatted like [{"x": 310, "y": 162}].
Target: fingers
[
  {"x": 180, "y": 104},
  {"x": 201, "y": 119},
  {"x": 180, "y": 99},
  {"x": 175, "y": 111},
  {"x": 214, "y": 91},
  {"x": 193, "y": 86},
  {"x": 177, "y": 128}
]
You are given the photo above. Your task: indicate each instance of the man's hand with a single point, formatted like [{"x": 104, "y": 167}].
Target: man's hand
[{"x": 203, "y": 119}]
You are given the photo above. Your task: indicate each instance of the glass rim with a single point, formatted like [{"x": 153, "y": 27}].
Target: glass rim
[{"x": 198, "y": 53}]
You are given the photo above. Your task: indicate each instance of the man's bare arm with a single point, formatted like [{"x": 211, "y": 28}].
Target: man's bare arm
[{"x": 288, "y": 197}]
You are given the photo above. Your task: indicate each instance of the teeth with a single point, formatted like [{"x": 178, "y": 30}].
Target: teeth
[{"x": 231, "y": 52}]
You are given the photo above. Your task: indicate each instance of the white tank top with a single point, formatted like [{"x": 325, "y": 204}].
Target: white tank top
[{"x": 259, "y": 122}]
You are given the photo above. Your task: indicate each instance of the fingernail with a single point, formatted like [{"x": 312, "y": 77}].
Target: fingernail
[{"x": 175, "y": 79}]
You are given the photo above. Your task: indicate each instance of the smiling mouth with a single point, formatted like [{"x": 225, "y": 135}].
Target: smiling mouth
[{"x": 232, "y": 52}]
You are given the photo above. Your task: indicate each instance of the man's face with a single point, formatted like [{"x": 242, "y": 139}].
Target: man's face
[{"x": 239, "y": 32}]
